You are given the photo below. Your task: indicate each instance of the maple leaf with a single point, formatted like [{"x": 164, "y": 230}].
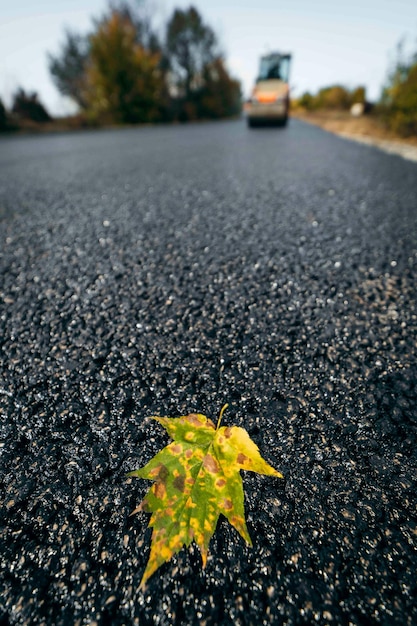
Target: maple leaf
[{"x": 196, "y": 478}]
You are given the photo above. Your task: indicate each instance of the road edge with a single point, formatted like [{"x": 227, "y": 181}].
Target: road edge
[{"x": 402, "y": 149}]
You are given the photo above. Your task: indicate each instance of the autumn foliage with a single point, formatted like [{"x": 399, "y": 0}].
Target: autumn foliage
[
  {"x": 398, "y": 107},
  {"x": 123, "y": 81},
  {"x": 124, "y": 73}
]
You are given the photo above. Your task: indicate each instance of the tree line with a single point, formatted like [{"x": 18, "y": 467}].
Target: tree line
[
  {"x": 397, "y": 106},
  {"x": 125, "y": 72},
  {"x": 333, "y": 97}
]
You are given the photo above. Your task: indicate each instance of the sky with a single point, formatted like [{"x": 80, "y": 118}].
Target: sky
[{"x": 349, "y": 42}]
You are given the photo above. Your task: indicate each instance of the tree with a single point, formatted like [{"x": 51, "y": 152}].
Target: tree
[
  {"x": 201, "y": 86},
  {"x": 69, "y": 66},
  {"x": 191, "y": 46},
  {"x": 124, "y": 82},
  {"x": 307, "y": 101},
  {"x": 333, "y": 97},
  {"x": 122, "y": 73},
  {"x": 27, "y": 106},
  {"x": 140, "y": 14},
  {"x": 399, "y": 98},
  {"x": 221, "y": 95},
  {"x": 358, "y": 95}
]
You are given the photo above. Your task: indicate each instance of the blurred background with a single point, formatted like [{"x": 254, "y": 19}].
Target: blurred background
[{"x": 94, "y": 62}]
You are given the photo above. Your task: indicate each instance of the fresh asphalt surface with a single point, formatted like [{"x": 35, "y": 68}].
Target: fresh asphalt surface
[{"x": 169, "y": 270}]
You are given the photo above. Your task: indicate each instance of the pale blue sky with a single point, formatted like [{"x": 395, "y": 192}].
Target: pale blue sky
[{"x": 350, "y": 42}]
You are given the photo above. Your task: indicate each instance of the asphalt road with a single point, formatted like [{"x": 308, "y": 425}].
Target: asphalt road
[{"x": 168, "y": 270}]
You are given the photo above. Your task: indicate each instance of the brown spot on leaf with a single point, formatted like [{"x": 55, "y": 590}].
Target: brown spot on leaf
[
  {"x": 163, "y": 472},
  {"x": 188, "y": 454},
  {"x": 200, "y": 421},
  {"x": 242, "y": 458},
  {"x": 228, "y": 432},
  {"x": 176, "y": 448},
  {"x": 179, "y": 482},
  {"x": 194, "y": 419},
  {"x": 210, "y": 464},
  {"x": 220, "y": 482},
  {"x": 227, "y": 504},
  {"x": 159, "y": 490}
]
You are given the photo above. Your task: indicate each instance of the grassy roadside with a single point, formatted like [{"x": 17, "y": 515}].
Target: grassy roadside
[
  {"x": 343, "y": 123},
  {"x": 365, "y": 129}
]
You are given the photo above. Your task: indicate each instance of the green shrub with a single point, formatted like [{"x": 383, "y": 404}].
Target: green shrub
[
  {"x": 28, "y": 107},
  {"x": 399, "y": 100},
  {"x": 306, "y": 101}
]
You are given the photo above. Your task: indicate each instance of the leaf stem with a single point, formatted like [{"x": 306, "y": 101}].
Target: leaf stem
[{"x": 224, "y": 407}]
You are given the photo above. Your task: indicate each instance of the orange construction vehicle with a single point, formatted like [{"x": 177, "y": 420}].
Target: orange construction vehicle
[{"x": 270, "y": 99}]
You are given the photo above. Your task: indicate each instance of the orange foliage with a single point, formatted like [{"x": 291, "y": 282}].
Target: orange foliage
[{"x": 124, "y": 82}]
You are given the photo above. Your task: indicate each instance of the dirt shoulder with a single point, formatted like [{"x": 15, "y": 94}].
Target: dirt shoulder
[{"x": 365, "y": 129}]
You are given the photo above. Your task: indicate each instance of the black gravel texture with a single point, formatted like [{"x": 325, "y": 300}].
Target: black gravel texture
[{"x": 168, "y": 270}]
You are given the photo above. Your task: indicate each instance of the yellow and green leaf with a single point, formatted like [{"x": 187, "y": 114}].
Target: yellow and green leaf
[{"x": 195, "y": 479}]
